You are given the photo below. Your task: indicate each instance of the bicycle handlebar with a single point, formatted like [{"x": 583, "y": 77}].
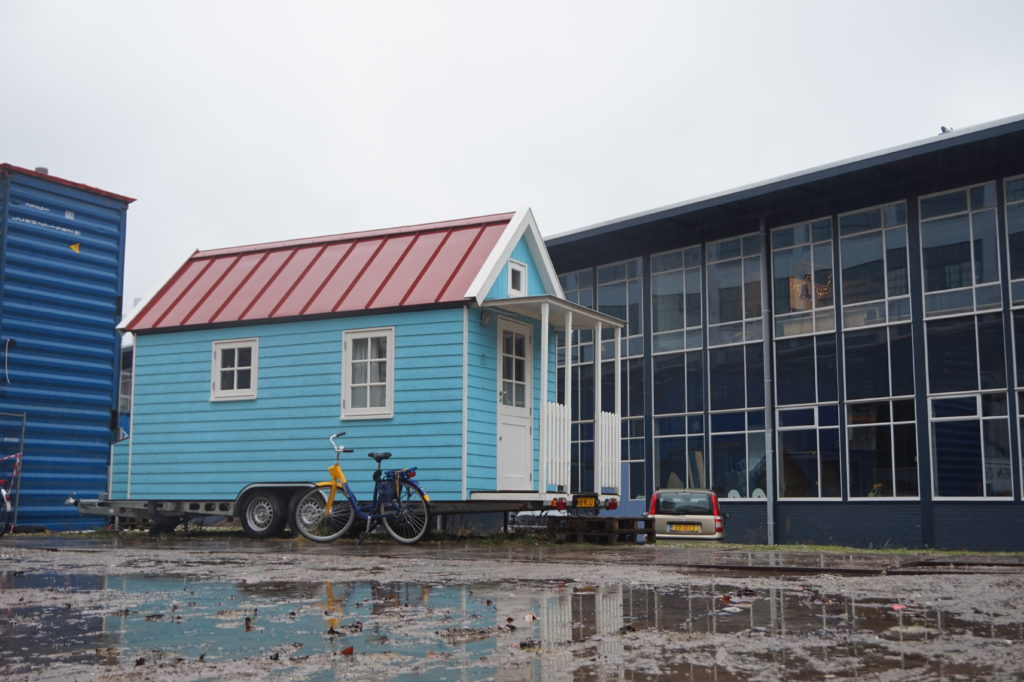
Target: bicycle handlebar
[{"x": 339, "y": 448}]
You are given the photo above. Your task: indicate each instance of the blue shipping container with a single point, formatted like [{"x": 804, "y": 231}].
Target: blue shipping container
[{"x": 62, "y": 253}]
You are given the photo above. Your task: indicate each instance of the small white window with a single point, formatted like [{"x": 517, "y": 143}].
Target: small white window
[
  {"x": 516, "y": 279},
  {"x": 234, "y": 369},
  {"x": 368, "y": 374}
]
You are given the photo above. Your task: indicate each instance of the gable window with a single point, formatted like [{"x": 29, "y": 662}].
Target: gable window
[
  {"x": 516, "y": 279},
  {"x": 234, "y": 369},
  {"x": 368, "y": 374}
]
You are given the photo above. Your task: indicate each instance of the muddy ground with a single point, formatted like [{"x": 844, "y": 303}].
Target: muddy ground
[{"x": 218, "y": 606}]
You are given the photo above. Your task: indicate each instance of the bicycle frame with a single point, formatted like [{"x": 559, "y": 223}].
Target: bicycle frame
[{"x": 385, "y": 488}]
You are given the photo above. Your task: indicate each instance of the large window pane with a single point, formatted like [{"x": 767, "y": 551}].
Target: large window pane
[
  {"x": 905, "y": 459},
  {"x": 947, "y": 253},
  {"x": 794, "y": 370},
  {"x": 997, "y": 458},
  {"x": 755, "y": 375},
  {"x": 901, "y": 351},
  {"x": 871, "y": 461},
  {"x": 863, "y": 268},
  {"x": 799, "y": 463},
  {"x": 729, "y": 465},
  {"x": 896, "y": 261},
  {"x": 725, "y": 292},
  {"x": 727, "y": 378},
  {"x": 669, "y": 383},
  {"x": 867, "y": 364},
  {"x": 695, "y": 381},
  {"x": 794, "y": 285},
  {"x": 667, "y": 301},
  {"x": 828, "y": 454},
  {"x": 991, "y": 362},
  {"x": 986, "y": 250},
  {"x": 828, "y": 368},
  {"x": 952, "y": 355},
  {"x": 958, "y": 469}
]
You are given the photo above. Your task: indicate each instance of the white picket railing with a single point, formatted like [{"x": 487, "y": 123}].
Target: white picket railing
[
  {"x": 557, "y": 449},
  {"x": 607, "y": 453},
  {"x": 557, "y": 446}
]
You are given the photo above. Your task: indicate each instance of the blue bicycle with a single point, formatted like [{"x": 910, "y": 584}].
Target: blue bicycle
[{"x": 399, "y": 504}]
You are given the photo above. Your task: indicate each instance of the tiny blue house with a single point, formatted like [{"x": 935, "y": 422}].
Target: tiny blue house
[{"x": 436, "y": 342}]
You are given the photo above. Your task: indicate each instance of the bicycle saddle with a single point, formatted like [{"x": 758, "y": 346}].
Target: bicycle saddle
[{"x": 379, "y": 457}]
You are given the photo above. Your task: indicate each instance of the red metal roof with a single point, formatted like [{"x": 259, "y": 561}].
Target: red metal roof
[{"x": 403, "y": 266}]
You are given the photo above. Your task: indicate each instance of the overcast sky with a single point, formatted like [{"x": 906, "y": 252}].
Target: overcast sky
[{"x": 243, "y": 122}]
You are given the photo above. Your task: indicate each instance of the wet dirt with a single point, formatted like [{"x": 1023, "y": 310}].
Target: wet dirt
[{"x": 218, "y": 606}]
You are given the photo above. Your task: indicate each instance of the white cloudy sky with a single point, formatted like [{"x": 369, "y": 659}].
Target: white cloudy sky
[{"x": 234, "y": 122}]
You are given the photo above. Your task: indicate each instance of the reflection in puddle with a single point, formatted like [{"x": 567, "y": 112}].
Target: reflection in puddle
[{"x": 506, "y": 631}]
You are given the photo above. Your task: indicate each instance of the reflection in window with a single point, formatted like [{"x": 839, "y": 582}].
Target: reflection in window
[
  {"x": 620, "y": 294},
  {"x": 734, "y": 290},
  {"x": 879, "y": 362},
  {"x": 959, "y": 250},
  {"x": 802, "y": 277},
  {"x": 954, "y": 363},
  {"x": 971, "y": 446},
  {"x": 873, "y": 255},
  {"x": 676, "y": 293},
  {"x": 882, "y": 449},
  {"x": 809, "y": 462},
  {"x": 806, "y": 370}
]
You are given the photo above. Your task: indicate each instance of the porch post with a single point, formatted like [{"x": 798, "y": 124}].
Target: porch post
[{"x": 544, "y": 455}]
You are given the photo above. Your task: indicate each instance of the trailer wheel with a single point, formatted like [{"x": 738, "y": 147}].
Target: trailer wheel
[{"x": 263, "y": 514}]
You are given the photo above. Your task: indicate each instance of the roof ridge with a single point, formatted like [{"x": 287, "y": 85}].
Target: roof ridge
[{"x": 356, "y": 236}]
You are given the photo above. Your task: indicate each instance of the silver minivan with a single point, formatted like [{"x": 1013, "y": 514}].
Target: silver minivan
[{"x": 686, "y": 514}]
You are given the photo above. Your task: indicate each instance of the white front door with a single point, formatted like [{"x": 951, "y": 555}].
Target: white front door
[{"x": 515, "y": 407}]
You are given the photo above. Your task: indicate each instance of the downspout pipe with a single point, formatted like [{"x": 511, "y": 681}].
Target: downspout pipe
[{"x": 769, "y": 405}]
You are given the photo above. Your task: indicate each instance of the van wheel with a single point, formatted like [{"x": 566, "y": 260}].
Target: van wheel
[{"x": 263, "y": 514}]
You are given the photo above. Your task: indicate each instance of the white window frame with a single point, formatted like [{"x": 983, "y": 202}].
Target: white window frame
[
  {"x": 216, "y": 392},
  {"x": 516, "y": 268},
  {"x": 376, "y": 412}
]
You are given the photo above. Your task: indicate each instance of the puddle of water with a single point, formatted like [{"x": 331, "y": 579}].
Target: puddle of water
[{"x": 485, "y": 630}]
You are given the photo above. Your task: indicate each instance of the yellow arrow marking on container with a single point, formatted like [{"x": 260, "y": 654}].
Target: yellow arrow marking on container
[{"x": 76, "y": 247}]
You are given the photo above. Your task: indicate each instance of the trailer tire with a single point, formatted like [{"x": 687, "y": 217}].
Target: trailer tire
[{"x": 263, "y": 514}]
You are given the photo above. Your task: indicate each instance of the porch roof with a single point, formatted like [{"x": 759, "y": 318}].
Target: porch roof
[{"x": 531, "y": 306}]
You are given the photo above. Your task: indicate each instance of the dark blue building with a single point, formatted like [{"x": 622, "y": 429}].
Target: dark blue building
[
  {"x": 62, "y": 255},
  {"x": 833, "y": 352}
]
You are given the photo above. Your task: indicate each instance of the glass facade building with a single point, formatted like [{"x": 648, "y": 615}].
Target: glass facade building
[{"x": 834, "y": 353}]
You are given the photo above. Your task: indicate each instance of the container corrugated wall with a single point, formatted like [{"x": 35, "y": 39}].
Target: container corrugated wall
[{"x": 60, "y": 300}]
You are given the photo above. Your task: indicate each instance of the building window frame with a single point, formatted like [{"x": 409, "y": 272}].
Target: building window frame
[
  {"x": 744, "y": 251},
  {"x": 821, "y": 421},
  {"x": 889, "y": 222},
  {"x": 369, "y": 373},
  {"x": 235, "y": 369},
  {"x": 976, "y": 297},
  {"x": 820, "y": 316},
  {"x": 983, "y": 414}
]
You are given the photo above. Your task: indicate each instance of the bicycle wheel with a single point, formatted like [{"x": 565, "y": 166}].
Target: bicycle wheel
[
  {"x": 5, "y": 513},
  {"x": 409, "y": 524},
  {"x": 311, "y": 521}
]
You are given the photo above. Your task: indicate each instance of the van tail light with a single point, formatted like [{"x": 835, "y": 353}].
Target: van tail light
[
  {"x": 719, "y": 526},
  {"x": 654, "y": 505},
  {"x": 558, "y": 503},
  {"x": 611, "y": 503},
  {"x": 714, "y": 506}
]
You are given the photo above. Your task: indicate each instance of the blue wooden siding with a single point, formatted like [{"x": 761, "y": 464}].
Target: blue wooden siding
[
  {"x": 534, "y": 285},
  {"x": 185, "y": 446}
]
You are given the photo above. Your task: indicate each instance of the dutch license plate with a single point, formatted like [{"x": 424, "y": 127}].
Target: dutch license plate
[
  {"x": 586, "y": 501},
  {"x": 684, "y": 527}
]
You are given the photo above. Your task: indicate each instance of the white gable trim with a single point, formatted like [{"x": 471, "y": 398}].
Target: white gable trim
[{"x": 522, "y": 224}]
